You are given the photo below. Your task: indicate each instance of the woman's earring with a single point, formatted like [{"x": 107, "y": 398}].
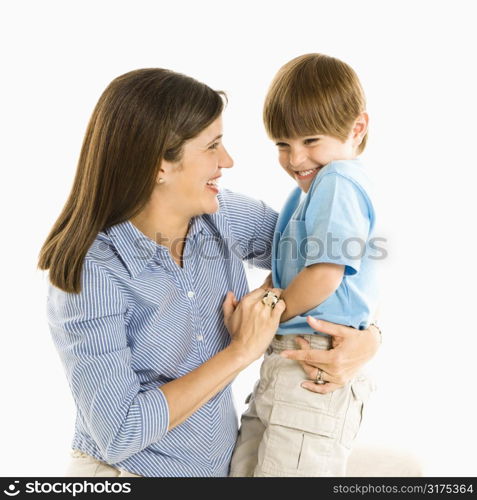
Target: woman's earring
[{"x": 161, "y": 181}]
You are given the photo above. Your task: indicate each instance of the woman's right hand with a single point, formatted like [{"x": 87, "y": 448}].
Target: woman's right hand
[{"x": 251, "y": 323}]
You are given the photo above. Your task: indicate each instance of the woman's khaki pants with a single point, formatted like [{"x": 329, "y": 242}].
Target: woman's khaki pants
[
  {"x": 82, "y": 465},
  {"x": 290, "y": 431}
]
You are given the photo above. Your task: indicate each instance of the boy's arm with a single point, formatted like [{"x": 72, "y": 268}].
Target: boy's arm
[{"x": 310, "y": 287}]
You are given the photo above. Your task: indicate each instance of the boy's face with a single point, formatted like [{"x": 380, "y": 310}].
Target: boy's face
[{"x": 303, "y": 157}]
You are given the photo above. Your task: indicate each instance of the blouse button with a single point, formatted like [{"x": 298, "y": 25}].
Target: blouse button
[{"x": 190, "y": 294}]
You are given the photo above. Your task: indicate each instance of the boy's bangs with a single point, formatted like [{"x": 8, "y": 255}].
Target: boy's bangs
[{"x": 292, "y": 121}]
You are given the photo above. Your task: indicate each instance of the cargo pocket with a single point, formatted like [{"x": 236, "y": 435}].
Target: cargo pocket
[
  {"x": 360, "y": 388},
  {"x": 297, "y": 442}
]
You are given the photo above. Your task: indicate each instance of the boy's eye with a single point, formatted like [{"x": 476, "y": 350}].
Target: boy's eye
[{"x": 306, "y": 142}]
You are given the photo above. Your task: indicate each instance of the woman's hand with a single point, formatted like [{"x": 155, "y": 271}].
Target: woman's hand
[
  {"x": 351, "y": 350},
  {"x": 251, "y": 323}
]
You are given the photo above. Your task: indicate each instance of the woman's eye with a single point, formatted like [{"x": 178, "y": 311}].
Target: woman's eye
[{"x": 215, "y": 145}]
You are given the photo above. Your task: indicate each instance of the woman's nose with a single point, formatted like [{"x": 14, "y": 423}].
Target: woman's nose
[{"x": 226, "y": 160}]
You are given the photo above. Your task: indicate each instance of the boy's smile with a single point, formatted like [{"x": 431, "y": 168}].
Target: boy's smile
[
  {"x": 303, "y": 157},
  {"x": 307, "y": 174}
]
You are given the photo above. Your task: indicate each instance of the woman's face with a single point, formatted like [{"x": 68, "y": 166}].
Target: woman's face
[{"x": 191, "y": 183}]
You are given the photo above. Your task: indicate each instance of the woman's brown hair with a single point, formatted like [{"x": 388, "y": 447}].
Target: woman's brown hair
[
  {"x": 314, "y": 94},
  {"x": 142, "y": 117}
]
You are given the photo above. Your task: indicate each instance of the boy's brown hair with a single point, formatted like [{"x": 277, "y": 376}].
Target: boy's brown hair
[{"x": 314, "y": 94}]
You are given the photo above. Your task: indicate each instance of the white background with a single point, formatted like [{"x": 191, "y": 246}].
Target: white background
[{"x": 416, "y": 61}]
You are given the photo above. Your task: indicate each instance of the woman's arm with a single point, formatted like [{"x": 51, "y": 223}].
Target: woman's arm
[
  {"x": 252, "y": 326},
  {"x": 251, "y": 224},
  {"x": 351, "y": 350},
  {"x": 89, "y": 330}
]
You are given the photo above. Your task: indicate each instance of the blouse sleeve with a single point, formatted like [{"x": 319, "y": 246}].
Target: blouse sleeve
[
  {"x": 252, "y": 224},
  {"x": 89, "y": 331}
]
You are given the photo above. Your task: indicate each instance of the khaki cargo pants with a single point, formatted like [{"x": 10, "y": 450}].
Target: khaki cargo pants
[{"x": 290, "y": 431}]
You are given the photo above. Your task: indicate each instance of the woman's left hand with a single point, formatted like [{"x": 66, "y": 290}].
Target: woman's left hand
[{"x": 351, "y": 350}]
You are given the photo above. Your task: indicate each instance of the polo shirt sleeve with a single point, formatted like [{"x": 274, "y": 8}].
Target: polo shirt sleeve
[
  {"x": 89, "y": 331},
  {"x": 337, "y": 223},
  {"x": 252, "y": 225}
]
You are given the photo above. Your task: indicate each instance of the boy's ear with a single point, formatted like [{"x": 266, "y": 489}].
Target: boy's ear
[{"x": 360, "y": 127}]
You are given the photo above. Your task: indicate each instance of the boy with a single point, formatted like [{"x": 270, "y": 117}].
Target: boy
[{"x": 323, "y": 260}]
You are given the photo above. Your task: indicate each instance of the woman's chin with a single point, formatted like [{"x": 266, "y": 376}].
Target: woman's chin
[
  {"x": 211, "y": 207},
  {"x": 214, "y": 209}
]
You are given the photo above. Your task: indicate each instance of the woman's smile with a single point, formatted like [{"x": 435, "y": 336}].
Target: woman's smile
[{"x": 212, "y": 184}]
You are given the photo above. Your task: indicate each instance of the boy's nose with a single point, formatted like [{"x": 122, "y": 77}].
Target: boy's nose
[{"x": 297, "y": 159}]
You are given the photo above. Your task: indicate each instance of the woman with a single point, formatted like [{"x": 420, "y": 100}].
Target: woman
[{"x": 140, "y": 261}]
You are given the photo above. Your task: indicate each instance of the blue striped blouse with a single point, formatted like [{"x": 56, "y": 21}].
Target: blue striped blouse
[{"x": 141, "y": 321}]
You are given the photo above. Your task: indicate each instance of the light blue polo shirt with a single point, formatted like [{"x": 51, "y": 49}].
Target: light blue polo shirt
[{"x": 335, "y": 223}]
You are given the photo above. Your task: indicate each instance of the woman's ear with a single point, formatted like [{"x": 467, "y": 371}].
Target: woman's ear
[{"x": 165, "y": 169}]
